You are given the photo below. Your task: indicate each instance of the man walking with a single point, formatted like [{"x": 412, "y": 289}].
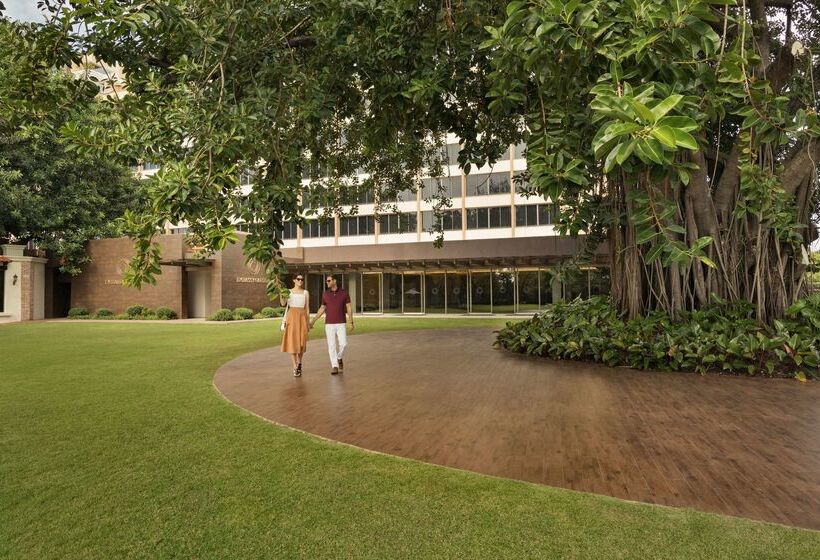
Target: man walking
[{"x": 335, "y": 307}]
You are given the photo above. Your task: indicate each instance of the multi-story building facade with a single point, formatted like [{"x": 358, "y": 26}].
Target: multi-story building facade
[{"x": 500, "y": 254}]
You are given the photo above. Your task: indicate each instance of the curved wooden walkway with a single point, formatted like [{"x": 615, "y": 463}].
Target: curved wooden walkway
[{"x": 746, "y": 447}]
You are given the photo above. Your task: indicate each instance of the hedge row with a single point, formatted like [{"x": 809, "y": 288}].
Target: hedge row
[
  {"x": 243, "y": 313},
  {"x": 132, "y": 313},
  {"x": 166, "y": 313},
  {"x": 725, "y": 337}
]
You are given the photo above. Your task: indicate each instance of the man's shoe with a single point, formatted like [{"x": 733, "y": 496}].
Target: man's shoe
[
  {"x": 334, "y": 371},
  {"x": 341, "y": 365}
]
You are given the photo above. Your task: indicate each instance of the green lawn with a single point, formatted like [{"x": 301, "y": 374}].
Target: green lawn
[{"x": 114, "y": 444}]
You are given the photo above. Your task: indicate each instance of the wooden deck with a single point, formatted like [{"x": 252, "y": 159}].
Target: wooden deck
[{"x": 739, "y": 446}]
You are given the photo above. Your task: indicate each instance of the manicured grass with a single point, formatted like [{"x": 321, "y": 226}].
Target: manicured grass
[{"x": 114, "y": 444}]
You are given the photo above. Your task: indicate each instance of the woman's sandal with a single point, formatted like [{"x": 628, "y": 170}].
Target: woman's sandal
[
  {"x": 299, "y": 368},
  {"x": 297, "y": 372}
]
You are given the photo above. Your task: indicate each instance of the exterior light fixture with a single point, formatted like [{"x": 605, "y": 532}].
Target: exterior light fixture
[{"x": 14, "y": 280}]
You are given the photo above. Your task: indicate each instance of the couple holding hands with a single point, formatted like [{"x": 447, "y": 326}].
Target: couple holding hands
[{"x": 296, "y": 322}]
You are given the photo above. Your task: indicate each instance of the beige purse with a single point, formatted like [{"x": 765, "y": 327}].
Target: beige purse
[{"x": 284, "y": 323}]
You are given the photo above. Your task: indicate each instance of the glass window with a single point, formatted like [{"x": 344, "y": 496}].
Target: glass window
[
  {"x": 528, "y": 296},
  {"x": 448, "y": 186},
  {"x": 450, "y": 220},
  {"x": 488, "y": 183},
  {"x": 2, "y": 289},
  {"x": 391, "y": 295},
  {"x": 500, "y": 217},
  {"x": 316, "y": 228},
  {"x": 546, "y": 214},
  {"x": 550, "y": 288},
  {"x": 365, "y": 196},
  {"x": 404, "y": 195},
  {"x": 348, "y": 225},
  {"x": 478, "y": 184},
  {"x": 599, "y": 281},
  {"x": 503, "y": 292},
  {"x": 457, "y": 292},
  {"x": 520, "y": 150},
  {"x": 481, "y": 288},
  {"x": 434, "y": 293},
  {"x": 449, "y": 154},
  {"x": 577, "y": 285},
  {"x": 371, "y": 292},
  {"x": 412, "y": 290},
  {"x": 398, "y": 223},
  {"x": 289, "y": 231}
]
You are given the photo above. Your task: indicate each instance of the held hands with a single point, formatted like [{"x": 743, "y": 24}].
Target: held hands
[{"x": 352, "y": 326}]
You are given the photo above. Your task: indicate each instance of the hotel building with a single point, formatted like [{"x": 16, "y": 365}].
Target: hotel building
[{"x": 499, "y": 256}]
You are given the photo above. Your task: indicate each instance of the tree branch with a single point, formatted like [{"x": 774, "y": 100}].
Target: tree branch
[
  {"x": 758, "y": 10},
  {"x": 801, "y": 166},
  {"x": 780, "y": 70}
]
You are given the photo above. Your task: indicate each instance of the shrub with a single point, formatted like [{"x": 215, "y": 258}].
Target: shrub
[
  {"x": 267, "y": 313},
  {"x": 104, "y": 313},
  {"x": 137, "y": 311},
  {"x": 122, "y": 317},
  {"x": 76, "y": 312},
  {"x": 723, "y": 337},
  {"x": 222, "y": 315},
  {"x": 242, "y": 313},
  {"x": 166, "y": 313}
]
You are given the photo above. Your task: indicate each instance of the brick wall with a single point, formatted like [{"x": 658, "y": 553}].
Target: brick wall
[
  {"x": 100, "y": 284},
  {"x": 26, "y": 291},
  {"x": 241, "y": 285}
]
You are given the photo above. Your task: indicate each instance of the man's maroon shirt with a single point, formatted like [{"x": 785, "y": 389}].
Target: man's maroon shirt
[{"x": 335, "y": 303}]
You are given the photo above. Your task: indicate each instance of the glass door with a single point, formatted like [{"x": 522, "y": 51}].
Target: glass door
[
  {"x": 371, "y": 292},
  {"x": 412, "y": 293}
]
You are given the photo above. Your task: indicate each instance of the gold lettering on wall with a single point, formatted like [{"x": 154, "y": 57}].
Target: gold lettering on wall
[
  {"x": 251, "y": 280},
  {"x": 113, "y": 282}
]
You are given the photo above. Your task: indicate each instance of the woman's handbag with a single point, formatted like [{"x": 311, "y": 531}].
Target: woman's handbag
[{"x": 284, "y": 319}]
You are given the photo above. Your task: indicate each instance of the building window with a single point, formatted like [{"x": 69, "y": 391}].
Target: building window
[
  {"x": 436, "y": 186},
  {"x": 519, "y": 151},
  {"x": 483, "y": 218},
  {"x": 449, "y": 154},
  {"x": 357, "y": 225},
  {"x": 245, "y": 177},
  {"x": 449, "y": 219},
  {"x": 398, "y": 223},
  {"x": 290, "y": 230},
  {"x": 2, "y": 289},
  {"x": 405, "y": 195},
  {"x": 488, "y": 183},
  {"x": 319, "y": 229},
  {"x": 179, "y": 230},
  {"x": 365, "y": 196},
  {"x": 535, "y": 215},
  {"x": 150, "y": 166}
]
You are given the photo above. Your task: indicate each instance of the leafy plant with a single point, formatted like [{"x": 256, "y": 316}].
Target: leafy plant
[
  {"x": 137, "y": 311},
  {"x": 76, "y": 312},
  {"x": 723, "y": 337},
  {"x": 242, "y": 313},
  {"x": 222, "y": 315},
  {"x": 165, "y": 313}
]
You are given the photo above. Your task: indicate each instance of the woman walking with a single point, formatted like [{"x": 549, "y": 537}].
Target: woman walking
[{"x": 297, "y": 324}]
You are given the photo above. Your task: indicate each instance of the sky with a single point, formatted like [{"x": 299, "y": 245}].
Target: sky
[{"x": 25, "y": 10}]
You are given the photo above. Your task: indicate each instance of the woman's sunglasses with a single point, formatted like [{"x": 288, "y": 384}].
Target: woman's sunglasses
[{"x": 299, "y": 278}]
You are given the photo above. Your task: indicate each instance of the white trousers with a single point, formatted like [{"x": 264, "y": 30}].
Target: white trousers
[{"x": 333, "y": 332}]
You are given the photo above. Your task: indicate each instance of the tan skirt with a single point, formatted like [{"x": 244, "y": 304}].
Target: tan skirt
[{"x": 294, "y": 339}]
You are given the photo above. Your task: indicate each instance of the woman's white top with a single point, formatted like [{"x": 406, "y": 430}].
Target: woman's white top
[{"x": 297, "y": 300}]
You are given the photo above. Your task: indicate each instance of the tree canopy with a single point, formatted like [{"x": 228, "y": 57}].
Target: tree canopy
[
  {"x": 681, "y": 133},
  {"x": 48, "y": 194}
]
